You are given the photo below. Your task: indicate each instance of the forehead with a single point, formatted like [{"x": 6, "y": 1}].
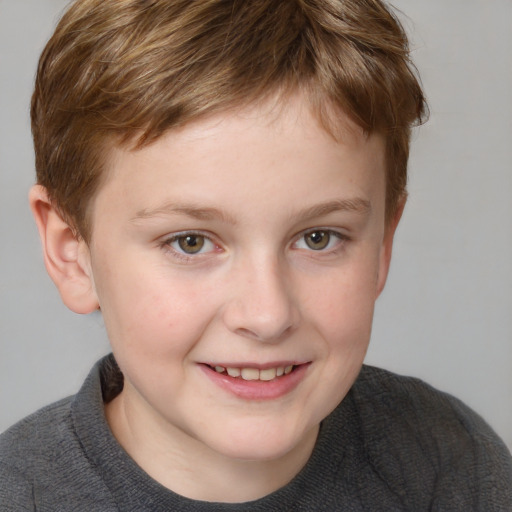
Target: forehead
[{"x": 260, "y": 147}]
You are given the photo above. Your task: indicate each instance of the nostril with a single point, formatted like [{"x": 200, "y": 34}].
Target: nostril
[
  {"x": 261, "y": 334},
  {"x": 246, "y": 333}
]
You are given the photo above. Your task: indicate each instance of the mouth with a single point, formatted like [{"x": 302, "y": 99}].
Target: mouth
[
  {"x": 257, "y": 384},
  {"x": 251, "y": 373}
]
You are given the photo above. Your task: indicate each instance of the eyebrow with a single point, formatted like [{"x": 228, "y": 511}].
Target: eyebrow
[
  {"x": 188, "y": 210},
  {"x": 358, "y": 206}
]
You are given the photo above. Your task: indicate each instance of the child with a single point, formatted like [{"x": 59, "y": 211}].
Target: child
[{"x": 223, "y": 181}]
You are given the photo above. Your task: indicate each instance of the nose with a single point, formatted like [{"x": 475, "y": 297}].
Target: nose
[{"x": 262, "y": 304}]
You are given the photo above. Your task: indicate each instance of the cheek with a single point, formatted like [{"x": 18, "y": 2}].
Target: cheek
[
  {"x": 346, "y": 329},
  {"x": 343, "y": 321},
  {"x": 344, "y": 301},
  {"x": 151, "y": 311}
]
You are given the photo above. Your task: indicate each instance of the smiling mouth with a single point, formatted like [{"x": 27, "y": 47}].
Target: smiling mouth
[{"x": 254, "y": 374}]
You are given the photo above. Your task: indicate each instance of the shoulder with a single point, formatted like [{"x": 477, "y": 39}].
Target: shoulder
[
  {"x": 412, "y": 402},
  {"x": 44, "y": 464},
  {"x": 35, "y": 436},
  {"x": 414, "y": 433},
  {"x": 27, "y": 449}
]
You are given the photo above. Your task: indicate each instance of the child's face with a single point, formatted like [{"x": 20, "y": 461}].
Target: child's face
[{"x": 250, "y": 241}]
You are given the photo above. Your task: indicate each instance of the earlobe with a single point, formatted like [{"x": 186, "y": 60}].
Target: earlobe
[
  {"x": 387, "y": 246},
  {"x": 66, "y": 256}
]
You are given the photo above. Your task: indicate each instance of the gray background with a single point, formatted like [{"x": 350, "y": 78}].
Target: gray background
[{"x": 446, "y": 314}]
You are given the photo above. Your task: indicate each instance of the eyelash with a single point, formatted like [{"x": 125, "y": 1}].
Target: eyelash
[{"x": 179, "y": 254}]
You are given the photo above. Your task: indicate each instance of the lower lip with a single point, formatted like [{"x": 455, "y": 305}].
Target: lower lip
[{"x": 258, "y": 389}]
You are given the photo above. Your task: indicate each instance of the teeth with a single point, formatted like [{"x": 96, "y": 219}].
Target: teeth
[
  {"x": 268, "y": 374},
  {"x": 250, "y": 374},
  {"x": 255, "y": 374}
]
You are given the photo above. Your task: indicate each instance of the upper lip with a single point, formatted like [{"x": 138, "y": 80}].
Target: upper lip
[{"x": 259, "y": 366}]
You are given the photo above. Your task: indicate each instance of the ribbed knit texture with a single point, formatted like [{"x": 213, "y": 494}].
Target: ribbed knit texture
[{"x": 393, "y": 444}]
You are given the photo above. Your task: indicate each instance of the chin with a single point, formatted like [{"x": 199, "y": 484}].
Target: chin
[{"x": 260, "y": 442}]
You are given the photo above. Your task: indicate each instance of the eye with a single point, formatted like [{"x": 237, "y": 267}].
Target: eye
[
  {"x": 189, "y": 244},
  {"x": 319, "y": 240}
]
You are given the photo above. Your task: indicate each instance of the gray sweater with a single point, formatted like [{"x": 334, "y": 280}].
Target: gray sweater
[{"x": 393, "y": 444}]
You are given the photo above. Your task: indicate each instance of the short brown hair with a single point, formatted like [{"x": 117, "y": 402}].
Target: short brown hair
[{"x": 126, "y": 71}]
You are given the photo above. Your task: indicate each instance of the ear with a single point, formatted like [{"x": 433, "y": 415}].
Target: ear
[
  {"x": 387, "y": 246},
  {"x": 66, "y": 256}
]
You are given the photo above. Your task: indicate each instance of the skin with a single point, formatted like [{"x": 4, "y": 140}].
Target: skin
[{"x": 252, "y": 185}]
